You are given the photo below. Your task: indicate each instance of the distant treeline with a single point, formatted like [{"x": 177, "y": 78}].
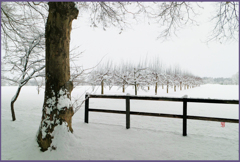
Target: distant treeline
[
  {"x": 221, "y": 80},
  {"x": 206, "y": 80}
]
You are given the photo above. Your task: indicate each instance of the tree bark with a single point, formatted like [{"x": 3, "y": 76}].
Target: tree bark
[
  {"x": 57, "y": 109},
  {"x": 14, "y": 99},
  {"x": 167, "y": 87},
  {"x": 102, "y": 87},
  {"x": 135, "y": 85},
  {"x": 156, "y": 86},
  {"x": 123, "y": 88}
]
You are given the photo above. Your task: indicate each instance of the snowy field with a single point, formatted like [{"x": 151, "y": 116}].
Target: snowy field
[{"x": 106, "y": 138}]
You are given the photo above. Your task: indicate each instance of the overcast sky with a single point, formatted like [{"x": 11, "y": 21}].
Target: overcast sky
[{"x": 187, "y": 49}]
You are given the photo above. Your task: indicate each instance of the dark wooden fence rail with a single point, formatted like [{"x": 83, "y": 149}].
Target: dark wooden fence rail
[{"x": 184, "y": 116}]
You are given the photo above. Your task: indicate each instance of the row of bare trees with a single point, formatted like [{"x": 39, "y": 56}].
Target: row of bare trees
[{"x": 142, "y": 75}]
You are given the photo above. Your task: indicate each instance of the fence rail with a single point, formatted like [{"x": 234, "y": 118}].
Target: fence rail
[{"x": 184, "y": 116}]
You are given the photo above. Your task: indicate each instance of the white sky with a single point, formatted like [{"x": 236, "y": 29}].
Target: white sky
[{"x": 187, "y": 50}]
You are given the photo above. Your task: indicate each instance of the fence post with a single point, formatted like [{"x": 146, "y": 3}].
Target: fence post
[
  {"x": 184, "y": 117},
  {"x": 127, "y": 112},
  {"x": 86, "y": 107}
]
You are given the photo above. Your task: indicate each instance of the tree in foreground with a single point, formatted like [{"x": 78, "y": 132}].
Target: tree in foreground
[{"x": 57, "y": 109}]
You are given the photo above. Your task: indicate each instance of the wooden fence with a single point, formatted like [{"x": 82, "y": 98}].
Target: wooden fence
[{"x": 184, "y": 116}]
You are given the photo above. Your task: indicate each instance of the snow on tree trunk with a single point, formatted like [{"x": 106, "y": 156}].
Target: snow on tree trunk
[{"x": 57, "y": 109}]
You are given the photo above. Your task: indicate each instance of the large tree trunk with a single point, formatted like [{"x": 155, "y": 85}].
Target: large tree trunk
[{"x": 57, "y": 109}]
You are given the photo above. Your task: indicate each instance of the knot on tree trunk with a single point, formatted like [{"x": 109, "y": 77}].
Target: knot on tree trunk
[
  {"x": 69, "y": 86},
  {"x": 66, "y": 116}
]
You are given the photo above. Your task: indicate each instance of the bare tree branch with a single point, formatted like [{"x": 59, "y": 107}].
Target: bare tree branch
[{"x": 226, "y": 22}]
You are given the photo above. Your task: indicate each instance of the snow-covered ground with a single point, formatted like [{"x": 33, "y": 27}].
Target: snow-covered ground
[{"x": 106, "y": 138}]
